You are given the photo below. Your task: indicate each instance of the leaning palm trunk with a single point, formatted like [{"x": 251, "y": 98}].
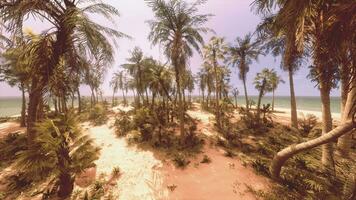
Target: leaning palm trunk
[
  {"x": 293, "y": 104},
  {"x": 348, "y": 124}
]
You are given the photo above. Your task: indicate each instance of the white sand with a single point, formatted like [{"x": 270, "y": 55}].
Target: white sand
[
  {"x": 140, "y": 178},
  {"x": 335, "y": 116}
]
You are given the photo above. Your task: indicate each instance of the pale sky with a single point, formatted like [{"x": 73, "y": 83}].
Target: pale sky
[{"x": 231, "y": 18}]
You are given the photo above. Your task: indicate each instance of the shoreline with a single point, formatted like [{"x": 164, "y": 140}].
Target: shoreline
[{"x": 285, "y": 112}]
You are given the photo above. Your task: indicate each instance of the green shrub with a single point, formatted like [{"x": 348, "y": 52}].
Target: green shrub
[
  {"x": 123, "y": 124},
  {"x": 260, "y": 167},
  {"x": 60, "y": 150},
  {"x": 180, "y": 160},
  {"x": 229, "y": 153},
  {"x": 307, "y": 123},
  {"x": 98, "y": 114},
  {"x": 206, "y": 159}
]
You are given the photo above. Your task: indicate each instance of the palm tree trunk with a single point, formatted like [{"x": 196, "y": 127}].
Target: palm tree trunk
[
  {"x": 79, "y": 101},
  {"x": 345, "y": 127},
  {"x": 293, "y": 104},
  {"x": 217, "y": 106},
  {"x": 34, "y": 98},
  {"x": 344, "y": 142},
  {"x": 113, "y": 97},
  {"x": 260, "y": 98},
  {"x": 273, "y": 100},
  {"x": 23, "y": 109},
  {"x": 55, "y": 105},
  {"x": 245, "y": 89},
  {"x": 327, "y": 149}
]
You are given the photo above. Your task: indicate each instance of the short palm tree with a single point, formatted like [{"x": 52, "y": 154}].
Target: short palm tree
[
  {"x": 241, "y": 55},
  {"x": 275, "y": 81},
  {"x": 263, "y": 83},
  {"x": 235, "y": 93},
  {"x": 214, "y": 52},
  {"x": 178, "y": 28}
]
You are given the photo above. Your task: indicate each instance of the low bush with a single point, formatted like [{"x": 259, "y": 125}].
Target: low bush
[
  {"x": 206, "y": 159},
  {"x": 307, "y": 123},
  {"x": 123, "y": 123},
  {"x": 261, "y": 167},
  {"x": 180, "y": 160},
  {"x": 98, "y": 114}
]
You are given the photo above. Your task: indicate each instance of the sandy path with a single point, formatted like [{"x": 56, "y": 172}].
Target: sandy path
[
  {"x": 223, "y": 178},
  {"x": 140, "y": 179}
]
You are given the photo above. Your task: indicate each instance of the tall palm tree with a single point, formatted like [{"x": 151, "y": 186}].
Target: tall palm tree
[
  {"x": 135, "y": 67},
  {"x": 213, "y": 52},
  {"x": 275, "y": 81},
  {"x": 177, "y": 27},
  {"x": 310, "y": 20},
  {"x": 281, "y": 42},
  {"x": 114, "y": 83},
  {"x": 241, "y": 55},
  {"x": 72, "y": 33}
]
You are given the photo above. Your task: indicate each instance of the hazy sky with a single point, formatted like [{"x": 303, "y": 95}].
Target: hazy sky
[{"x": 232, "y": 18}]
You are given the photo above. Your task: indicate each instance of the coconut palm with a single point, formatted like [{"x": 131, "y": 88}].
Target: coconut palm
[
  {"x": 71, "y": 33},
  {"x": 60, "y": 152},
  {"x": 114, "y": 83},
  {"x": 214, "y": 52},
  {"x": 275, "y": 81},
  {"x": 310, "y": 20},
  {"x": 282, "y": 43},
  {"x": 178, "y": 28},
  {"x": 135, "y": 69},
  {"x": 235, "y": 93},
  {"x": 263, "y": 83},
  {"x": 241, "y": 55}
]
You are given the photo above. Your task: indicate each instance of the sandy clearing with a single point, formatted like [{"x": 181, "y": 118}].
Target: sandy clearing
[
  {"x": 223, "y": 178},
  {"x": 140, "y": 178}
]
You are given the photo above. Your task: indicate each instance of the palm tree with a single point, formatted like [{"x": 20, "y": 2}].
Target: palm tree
[
  {"x": 235, "y": 93},
  {"x": 135, "y": 69},
  {"x": 213, "y": 52},
  {"x": 16, "y": 73},
  {"x": 72, "y": 33},
  {"x": 241, "y": 55},
  {"x": 263, "y": 83},
  {"x": 275, "y": 81},
  {"x": 177, "y": 27},
  {"x": 281, "y": 41},
  {"x": 310, "y": 20},
  {"x": 114, "y": 83},
  {"x": 60, "y": 152}
]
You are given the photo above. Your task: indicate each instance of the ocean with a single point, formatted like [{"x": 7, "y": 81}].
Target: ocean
[{"x": 10, "y": 106}]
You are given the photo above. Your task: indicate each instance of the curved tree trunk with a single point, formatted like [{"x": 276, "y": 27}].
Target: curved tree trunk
[
  {"x": 346, "y": 126},
  {"x": 293, "y": 104}
]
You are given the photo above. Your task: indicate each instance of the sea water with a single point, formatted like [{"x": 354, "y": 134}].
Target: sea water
[{"x": 10, "y": 106}]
